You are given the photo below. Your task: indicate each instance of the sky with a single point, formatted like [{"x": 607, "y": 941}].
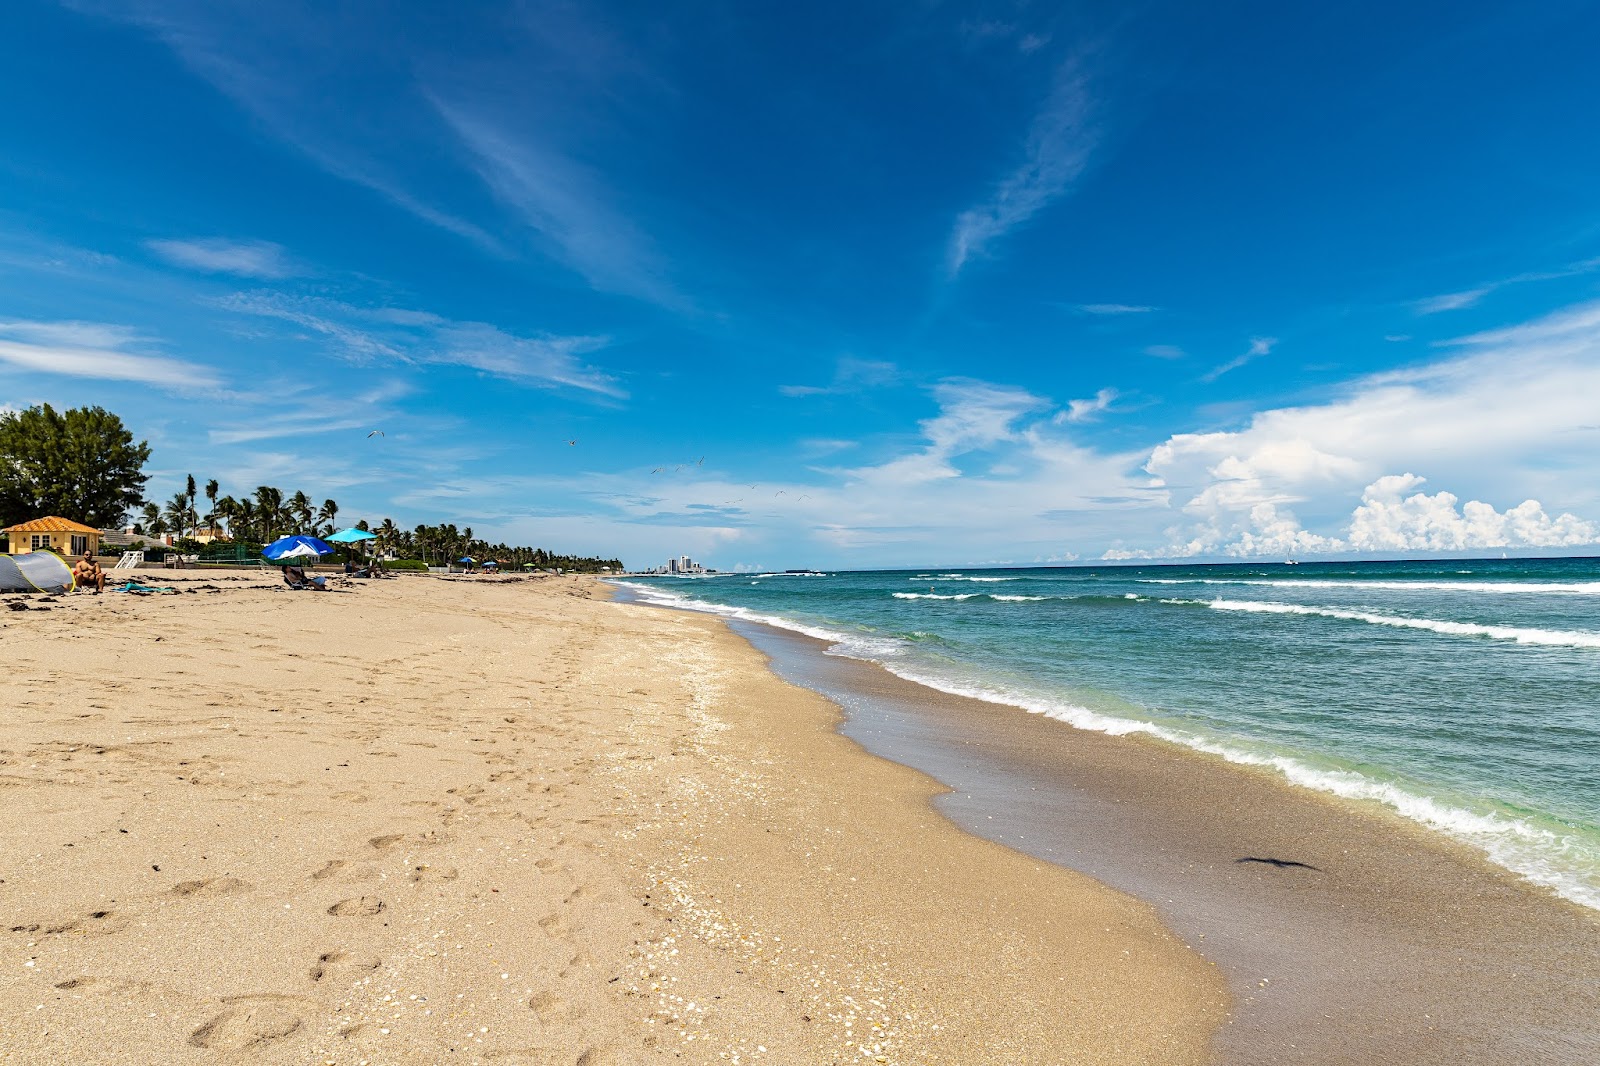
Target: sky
[{"x": 853, "y": 286}]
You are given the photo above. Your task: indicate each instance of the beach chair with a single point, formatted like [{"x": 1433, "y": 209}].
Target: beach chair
[{"x": 129, "y": 560}]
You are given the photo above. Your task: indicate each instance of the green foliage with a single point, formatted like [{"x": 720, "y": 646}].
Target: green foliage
[
  {"x": 80, "y": 464},
  {"x": 404, "y": 564}
]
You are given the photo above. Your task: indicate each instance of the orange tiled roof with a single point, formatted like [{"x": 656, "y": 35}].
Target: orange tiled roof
[{"x": 51, "y": 524}]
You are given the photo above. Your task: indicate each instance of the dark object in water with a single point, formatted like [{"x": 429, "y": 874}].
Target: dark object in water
[{"x": 1282, "y": 864}]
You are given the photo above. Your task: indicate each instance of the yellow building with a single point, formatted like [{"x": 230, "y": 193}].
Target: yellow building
[{"x": 60, "y": 535}]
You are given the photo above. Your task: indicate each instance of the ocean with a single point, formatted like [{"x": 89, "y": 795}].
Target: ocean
[{"x": 1462, "y": 694}]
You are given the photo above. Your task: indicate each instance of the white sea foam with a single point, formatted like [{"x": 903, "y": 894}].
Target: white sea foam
[
  {"x": 1020, "y": 599},
  {"x": 1550, "y": 637},
  {"x": 1564, "y": 864},
  {"x": 1588, "y": 588},
  {"x": 959, "y": 577},
  {"x": 934, "y": 595}
]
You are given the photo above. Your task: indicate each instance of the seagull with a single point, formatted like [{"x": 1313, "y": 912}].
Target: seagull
[
  {"x": 573, "y": 443},
  {"x": 700, "y": 461},
  {"x": 778, "y": 493},
  {"x": 375, "y": 433},
  {"x": 657, "y": 470},
  {"x": 805, "y": 496}
]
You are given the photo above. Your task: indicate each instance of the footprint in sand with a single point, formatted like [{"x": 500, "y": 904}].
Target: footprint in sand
[
  {"x": 329, "y": 868},
  {"x": 211, "y": 886},
  {"x": 249, "y": 1022},
  {"x": 359, "y": 907},
  {"x": 597, "y": 1056},
  {"x": 555, "y": 925},
  {"x": 333, "y": 963},
  {"x": 433, "y": 874},
  {"x": 95, "y": 923},
  {"x": 551, "y": 1009},
  {"x": 384, "y": 843}
]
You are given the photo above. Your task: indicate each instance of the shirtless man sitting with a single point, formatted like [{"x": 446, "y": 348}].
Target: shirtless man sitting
[{"x": 87, "y": 572}]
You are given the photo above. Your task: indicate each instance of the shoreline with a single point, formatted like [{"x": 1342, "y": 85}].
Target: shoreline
[
  {"x": 1393, "y": 942},
  {"x": 512, "y": 823}
]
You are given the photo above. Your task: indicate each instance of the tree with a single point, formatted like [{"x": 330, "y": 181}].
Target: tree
[
  {"x": 212, "y": 488},
  {"x": 325, "y": 516},
  {"x": 80, "y": 464},
  {"x": 151, "y": 520}
]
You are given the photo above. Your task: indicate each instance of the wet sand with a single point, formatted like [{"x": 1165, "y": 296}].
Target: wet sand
[
  {"x": 511, "y": 822},
  {"x": 1347, "y": 934}
]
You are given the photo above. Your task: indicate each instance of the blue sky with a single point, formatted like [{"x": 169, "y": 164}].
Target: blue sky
[{"x": 900, "y": 284}]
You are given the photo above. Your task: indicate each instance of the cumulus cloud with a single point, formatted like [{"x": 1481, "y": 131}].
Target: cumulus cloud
[{"x": 1389, "y": 519}]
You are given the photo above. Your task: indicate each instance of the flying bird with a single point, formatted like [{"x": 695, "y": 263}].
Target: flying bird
[
  {"x": 700, "y": 461},
  {"x": 778, "y": 493},
  {"x": 573, "y": 443},
  {"x": 375, "y": 433},
  {"x": 805, "y": 496},
  {"x": 657, "y": 470}
]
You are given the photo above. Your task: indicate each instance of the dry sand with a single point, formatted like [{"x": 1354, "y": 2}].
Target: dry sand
[{"x": 510, "y": 822}]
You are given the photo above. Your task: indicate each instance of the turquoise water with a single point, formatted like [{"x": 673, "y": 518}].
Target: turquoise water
[{"x": 1463, "y": 694}]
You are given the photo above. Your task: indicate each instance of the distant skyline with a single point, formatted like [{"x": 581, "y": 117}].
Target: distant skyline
[{"x": 853, "y": 287}]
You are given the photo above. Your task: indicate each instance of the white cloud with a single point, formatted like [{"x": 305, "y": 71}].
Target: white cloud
[
  {"x": 217, "y": 255},
  {"x": 1450, "y": 301},
  {"x": 1390, "y": 520},
  {"x": 95, "y": 350},
  {"x": 1084, "y": 410},
  {"x": 1116, "y": 309},
  {"x": 1164, "y": 351},
  {"x": 422, "y": 337},
  {"x": 1259, "y": 346},
  {"x": 561, "y": 200},
  {"x": 1455, "y": 301},
  {"x": 1512, "y": 418},
  {"x": 850, "y": 375},
  {"x": 1058, "y": 146}
]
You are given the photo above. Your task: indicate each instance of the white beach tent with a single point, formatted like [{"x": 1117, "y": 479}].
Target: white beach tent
[{"x": 34, "y": 572}]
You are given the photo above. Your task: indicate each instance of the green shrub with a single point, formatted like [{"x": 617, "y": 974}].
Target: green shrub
[{"x": 404, "y": 564}]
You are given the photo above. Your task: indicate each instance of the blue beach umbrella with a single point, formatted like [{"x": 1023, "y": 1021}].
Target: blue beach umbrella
[
  {"x": 295, "y": 547},
  {"x": 466, "y": 559}
]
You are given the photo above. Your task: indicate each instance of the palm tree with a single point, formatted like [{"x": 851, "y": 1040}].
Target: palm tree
[
  {"x": 178, "y": 513},
  {"x": 299, "y": 508},
  {"x": 269, "y": 507},
  {"x": 388, "y": 535},
  {"x": 152, "y": 521},
  {"x": 326, "y": 515},
  {"x": 243, "y": 520},
  {"x": 212, "y": 488},
  {"x": 225, "y": 508}
]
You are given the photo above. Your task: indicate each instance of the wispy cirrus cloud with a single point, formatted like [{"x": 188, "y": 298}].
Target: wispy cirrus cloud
[
  {"x": 428, "y": 135},
  {"x": 420, "y": 337},
  {"x": 1114, "y": 309},
  {"x": 560, "y": 199},
  {"x": 1059, "y": 143},
  {"x": 1455, "y": 301},
  {"x": 1085, "y": 410},
  {"x": 850, "y": 375},
  {"x": 1259, "y": 346},
  {"x": 219, "y": 255},
  {"x": 96, "y": 350}
]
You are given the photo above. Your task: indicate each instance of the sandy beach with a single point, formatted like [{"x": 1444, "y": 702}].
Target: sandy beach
[{"x": 511, "y": 822}]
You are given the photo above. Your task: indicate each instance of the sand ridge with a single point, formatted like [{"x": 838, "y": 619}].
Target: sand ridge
[{"x": 510, "y": 822}]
